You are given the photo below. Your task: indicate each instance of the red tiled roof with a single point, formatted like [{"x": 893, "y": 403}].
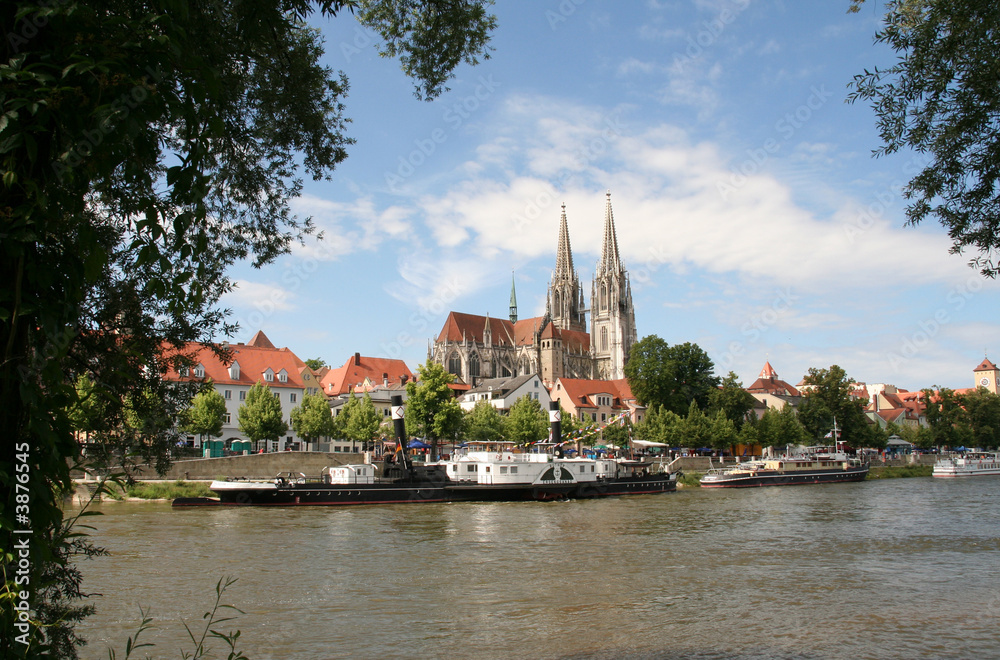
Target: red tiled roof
[
  {"x": 459, "y": 326},
  {"x": 253, "y": 361},
  {"x": 985, "y": 365},
  {"x": 260, "y": 340},
  {"x": 773, "y": 386},
  {"x": 582, "y": 392},
  {"x": 768, "y": 371},
  {"x": 357, "y": 368}
]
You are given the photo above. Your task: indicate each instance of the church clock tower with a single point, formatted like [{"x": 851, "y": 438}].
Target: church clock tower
[
  {"x": 565, "y": 303},
  {"x": 986, "y": 375},
  {"x": 612, "y": 316}
]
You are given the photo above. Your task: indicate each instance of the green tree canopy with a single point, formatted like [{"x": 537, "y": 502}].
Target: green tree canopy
[
  {"x": 365, "y": 421},
  {"x": 778, "y": 428},
  {"x": 617, "y": 433},
  {"x": 732, "y": 400},
  {"x": 829, "y": 399},
  {"x": 206, "y": 414},
  {"x": 722, "y": 432},
  {"x": 484, "y": 423},
  {"x": 982, "y": 414},
  {"x": 695, "y": 430},
  {"x": 526, "y": 421},
  {"x": 670, "y": 376},
  {"x": 260, "y": 415},
  {"x": 431, "y": 409},
  {"x": 144, "y": 148},
  {"x": 315, "y": 363},
  {"x": 941, "y": 98},
  {"x": 311, "y": 419}
]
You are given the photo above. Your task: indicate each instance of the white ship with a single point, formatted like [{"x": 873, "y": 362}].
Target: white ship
[{"x": 972, "y": 464}]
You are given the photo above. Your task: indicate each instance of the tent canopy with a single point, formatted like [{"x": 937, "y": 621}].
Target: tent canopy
[{"x": 417, "y": 444}]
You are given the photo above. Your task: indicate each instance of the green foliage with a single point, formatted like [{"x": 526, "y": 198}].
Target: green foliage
[
  {"x": 206, "y": 414},
  {"x": 311, "y": 419},
  {"x": 732, "y": 400},
  {"x": 144, "y": 148},
  {"x": 526, "y": 421},
  {"x": 167, "y": 490},
  {"x": 364, "y": 422},
  {"x": 660, "y": 425},
  {"x": 941, "y": 98},
  {"x": 831, "y": 399},
  {"x": 617, "y": 434},
  {"x": 670, "y": 376},
  {"x": 900, "y": 471},
  {"x": 431, "y": 409},
  {"x": 722, "y": 432},
  {"x": 260, "y": 415},
  {"x": 484, "y": 423},
  {"x": 778, "y": 428},
  {"x": 695, "y": 430},
  {"x": 956, "y": 420},
  {"x": 315, "y": 363}
]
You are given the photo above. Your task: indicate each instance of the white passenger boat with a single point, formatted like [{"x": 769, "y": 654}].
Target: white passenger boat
[{"x": 972, "y": 464}]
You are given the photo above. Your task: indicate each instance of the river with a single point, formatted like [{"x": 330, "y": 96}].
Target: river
[{"x": 902, "y": 568}]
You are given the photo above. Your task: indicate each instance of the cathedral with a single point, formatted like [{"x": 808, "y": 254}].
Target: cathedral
[{"x": 559, "y": 344}]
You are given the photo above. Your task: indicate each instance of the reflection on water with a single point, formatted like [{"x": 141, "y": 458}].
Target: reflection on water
[{"x": 896, "y": 568}]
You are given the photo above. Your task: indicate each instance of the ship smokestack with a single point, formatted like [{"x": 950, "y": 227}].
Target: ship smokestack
[
  {"x": 555, "y": 422},
  {"x": 399, "y": 426}
]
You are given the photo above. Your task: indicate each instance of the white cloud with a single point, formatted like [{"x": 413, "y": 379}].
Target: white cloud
[
  {"x": 348, "y": 227},
  {"x": 263, "y": 297}
]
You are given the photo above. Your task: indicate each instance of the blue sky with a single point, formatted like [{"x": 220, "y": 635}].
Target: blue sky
[{"x": 751, "y": 216}]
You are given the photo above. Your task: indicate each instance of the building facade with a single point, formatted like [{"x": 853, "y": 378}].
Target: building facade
[{"x": 559, "y": 344}]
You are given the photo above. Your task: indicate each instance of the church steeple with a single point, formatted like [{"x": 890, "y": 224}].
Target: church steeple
[
  {"x": 612, "y": 316},
  {"x": 565, "y": 292},
  {"x": 513, "y": 300},
  {"x": 610, "y": 261},
  {"x": 564, "y": 253}
]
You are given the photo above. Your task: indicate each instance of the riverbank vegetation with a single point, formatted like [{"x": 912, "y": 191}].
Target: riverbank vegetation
[
  {"x": 900, "y": 471},
  {"x": 158, "y": 490}
]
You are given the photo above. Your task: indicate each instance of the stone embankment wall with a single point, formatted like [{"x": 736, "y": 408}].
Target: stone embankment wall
[{"x": 252, "y": 466}]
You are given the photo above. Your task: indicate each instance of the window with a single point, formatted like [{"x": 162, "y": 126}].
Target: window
[
  {"x": 228, "y": 394},
  {"x": 583, "y": 468},
  {"x": 269, "y": 376},
  {"x": 199, "y": 371},
  {"x": 604, "y": 339},
  {"x": 470, "y": 468},
  {"x": 536, "y": 396},
  {"x": 282, "y": 376},
  {"x": 593, "y": 416},
  {"x": 604, "y": 416},
  {"x": 503, "y": 469},
  {"x": 292, "y": 397},
  {"x": 455, "y": 365},
  {"x": 277, "y": 395},
  {"x": 184, "y": 371},
  {"x": 234, "y": 371},
  {"x": 243, "y": 396},
  {"x": 229, "y": 419},
  {"x": 474, "y": 365},
  {"x": 513, "y": 469}
]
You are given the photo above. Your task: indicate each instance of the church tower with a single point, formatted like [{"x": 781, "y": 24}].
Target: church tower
[
  {"x": 565, "y": 300},
  {"x": 612, "y": 316},
  {"x": 986, "y": 375}
]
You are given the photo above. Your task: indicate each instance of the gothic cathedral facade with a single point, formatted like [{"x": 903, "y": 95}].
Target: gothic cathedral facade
[{"x": 559, "y": 344}]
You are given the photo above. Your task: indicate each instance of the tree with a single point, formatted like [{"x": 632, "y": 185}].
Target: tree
[
  {"x": 660, "y": 425},
  {"x": 315, "y": 363},
  {"x": 484, "y": 423},
  {"x": 617, "y": 433},
  {"x": 431, "y": 409},
  {"x": 695, "y": 430},
  {"x": 722, "y": 432},
  {"x": 260, "y": 415},
  {"x": 942, "y": 98},
  {"x": 982, "y": 415},
  {"x": 830, "y": 399},
  {"x": 732, "y": 400},
  {"x": 526, "y": 422},
  {"x": 143, "y": 150},
  {"x": 779, "y": 428},
  {"x": 946, "y": 418},
  {"x": 206, "y": 414},
  {"x": 670, "y": 376},
  {"x": 364, "y": 422},
  {"x": 311, "y": 419}
]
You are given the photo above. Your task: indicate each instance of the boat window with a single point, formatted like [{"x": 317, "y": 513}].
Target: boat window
[
  {"x": 513, "y": 469},
  {"x": 503, "y": 469},
  {"x": 583, "y": 468}
]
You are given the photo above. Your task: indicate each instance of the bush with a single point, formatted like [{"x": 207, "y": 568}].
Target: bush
[{"x": 166, "y": 490}]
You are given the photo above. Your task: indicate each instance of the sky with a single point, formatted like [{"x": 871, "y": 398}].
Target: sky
[{"x": 751, "y": 215}]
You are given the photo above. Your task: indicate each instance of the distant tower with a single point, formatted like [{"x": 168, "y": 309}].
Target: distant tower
[
  {"x": 986, "y": 375},
  {"x": 513, "y": 300},
  {"x": 612, "y": 316},
  {"x": 565, "y": 300}
]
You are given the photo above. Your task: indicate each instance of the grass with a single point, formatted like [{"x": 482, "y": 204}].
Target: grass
[
  {"x": 167, "y": 490},
  {"x": 690, "y": 480},
  {"x": 900, "y": 471}
]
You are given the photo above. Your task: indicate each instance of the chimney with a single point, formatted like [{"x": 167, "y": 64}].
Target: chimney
[
  {"x": 357, "y": 359},
  {"x": 403, "y": 379},
  {"x": 385, "y": 380}
]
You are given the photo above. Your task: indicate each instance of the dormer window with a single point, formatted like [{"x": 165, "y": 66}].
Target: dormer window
[
  {"x": 269, "y": 375},
  {"x": 234, "y": 371},
  {"x": 199, "y": 371},
  {"x": 184, "y": 371},
  {"x": 283, "y": 376}
]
